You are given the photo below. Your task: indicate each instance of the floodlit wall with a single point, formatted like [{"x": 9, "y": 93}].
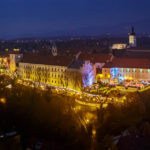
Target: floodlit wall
[
  {"x": 127, "y": 73},
  {"x": 75, "y": 79},
  {"x": 119, "y": 46},
  {"x": 54, "y": 75},
  {"x": 14, "y": 59},
  {"x": 58, "y": 75},
  {"x": 132, "y": 40}
]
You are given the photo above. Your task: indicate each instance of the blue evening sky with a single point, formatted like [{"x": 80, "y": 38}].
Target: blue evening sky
[{"x": 25, "y": 18}]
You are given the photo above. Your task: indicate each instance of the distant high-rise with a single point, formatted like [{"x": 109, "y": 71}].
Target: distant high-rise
[{"x": 132, "y": 38}]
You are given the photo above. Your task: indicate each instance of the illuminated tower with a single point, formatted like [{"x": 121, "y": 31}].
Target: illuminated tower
[
  {"x": 54, "y": 50},
  {"x": 132, "y": 38}
]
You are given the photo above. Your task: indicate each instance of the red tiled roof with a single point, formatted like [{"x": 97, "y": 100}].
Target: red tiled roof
[
  {"x": 4, "y": 55},
  {"x": 95, "y": 57},
  {"x": 128, "y": 63},
  {"x": 47, "y": 60}
]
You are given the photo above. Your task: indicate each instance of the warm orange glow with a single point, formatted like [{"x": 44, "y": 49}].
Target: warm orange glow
[
  {"x": 3, "y": 100},
  {"x": 16, "y": 50},
  {"x": 93, "y": 132},
  {"x": 131, "y": 78},
  {"x": 101, "y": 75},
  {"x": 87, "y": 121}
]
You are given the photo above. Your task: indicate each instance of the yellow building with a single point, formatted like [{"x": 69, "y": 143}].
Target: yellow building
[
  {"x": 45, "y": 69},
  {"x": 14, "y": 60},
  {"x": 4, "y": 63},
  {"x": 60, "y": 71}
]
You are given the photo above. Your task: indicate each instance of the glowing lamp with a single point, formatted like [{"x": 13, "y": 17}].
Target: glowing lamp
[
  {"x": 101, "y": 75},
  {"x": 94, "y": 132},
  {"x": 3, "y": 100},
  {"x": 131, "y": 78}
]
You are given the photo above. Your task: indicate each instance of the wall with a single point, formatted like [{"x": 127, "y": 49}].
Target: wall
[{"x": 128, "y": 73}]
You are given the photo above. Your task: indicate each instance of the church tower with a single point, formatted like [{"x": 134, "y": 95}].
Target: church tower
[
  {"x": 132, "y": 38},
  {"x": 54, "y": 50}
]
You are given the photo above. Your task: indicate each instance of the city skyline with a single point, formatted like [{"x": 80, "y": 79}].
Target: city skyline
[{"x": 72, "y": 18}]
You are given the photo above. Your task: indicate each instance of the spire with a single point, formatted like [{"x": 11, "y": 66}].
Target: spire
[
  {"x": 54, "y": 50},
  {"x": 132, "y": 33},
  {"x": 132, "y": 38}
]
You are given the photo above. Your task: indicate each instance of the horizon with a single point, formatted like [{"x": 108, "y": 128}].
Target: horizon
[{"x": 57, "y": 18}]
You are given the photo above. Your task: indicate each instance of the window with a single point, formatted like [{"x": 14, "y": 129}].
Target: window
[
  {"x": 148, "y": 70},
  {"x": 122, "y": 70},
  {"x": 128, "y": 69},
  {"x": 134, "y": 69},
  {"x": 141, "y": 70}
]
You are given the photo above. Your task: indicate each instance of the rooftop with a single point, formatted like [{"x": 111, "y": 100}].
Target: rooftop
[
  {"x": 95, "y": 57},
  {"x": 132, "y": 53},
  {"x": 76, "y": 64},
  {"x": 47, "y": 60},
  {"x": 129, "y": 63}
]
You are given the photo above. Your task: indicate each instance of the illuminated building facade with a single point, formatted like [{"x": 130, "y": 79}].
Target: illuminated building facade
[
  {"x": 58, "y": 71},
  {"x": 132, "y": 38},
  {"x": 119, "y": 46},
  {"x": 14, "y": 60},
  {"x": 52, "y": 74},
  {"x": 81, "y": 74},
  {"x": 98, "y": 61},
  {"x": 4, "y": 63},
  {"x": 123, "y": 69}
]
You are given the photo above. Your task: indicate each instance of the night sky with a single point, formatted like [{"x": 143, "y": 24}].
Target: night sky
[{"x": 46, "y": 18}]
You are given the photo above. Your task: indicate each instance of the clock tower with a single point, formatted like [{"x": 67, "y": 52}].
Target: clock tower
[{"x": 132, "y": 38}]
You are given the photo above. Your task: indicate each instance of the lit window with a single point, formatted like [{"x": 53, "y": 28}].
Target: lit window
[
  {"x": 134, "y": 69},
  {"x": 141, "y": 70},
  {"x": 128, "y": 69},
  {"x": 122, "y": 70},
  {"x": 148, "y": 70}
]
